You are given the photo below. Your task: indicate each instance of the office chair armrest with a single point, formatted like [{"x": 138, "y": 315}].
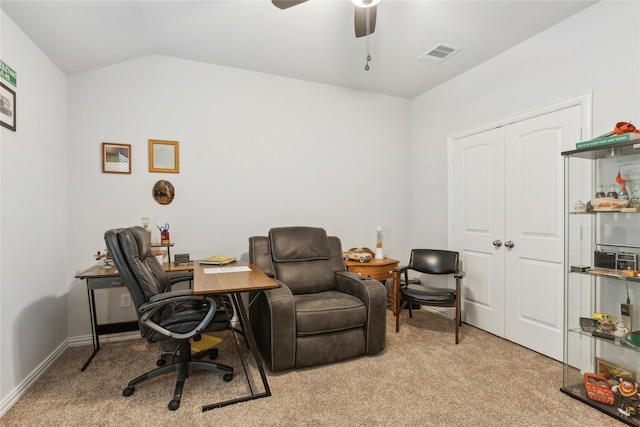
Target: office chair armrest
[
  {"x": 401, "y": 269},
  {"x": 458, "y": 274},
  {"x": 183, "y": 294},
  {"x": 148, "y": 310},
  {"x": 184, "y": 276}
]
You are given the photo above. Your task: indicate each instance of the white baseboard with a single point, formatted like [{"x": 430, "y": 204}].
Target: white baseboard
[
  {"x": 31, "y": 379},
  {"x": 88, "y": 339}
]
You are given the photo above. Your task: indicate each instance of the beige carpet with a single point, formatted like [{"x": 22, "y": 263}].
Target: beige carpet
[{"x": 422, "y": 378}]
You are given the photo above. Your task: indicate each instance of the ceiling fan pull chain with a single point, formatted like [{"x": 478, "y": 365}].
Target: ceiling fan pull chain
[{"x": 366, "y": 67}]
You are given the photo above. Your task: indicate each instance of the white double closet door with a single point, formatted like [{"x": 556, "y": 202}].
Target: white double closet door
[{"x": 507, "y": 223}]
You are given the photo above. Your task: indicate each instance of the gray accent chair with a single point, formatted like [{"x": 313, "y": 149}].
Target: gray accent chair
[{"x": 320, "y": 313}]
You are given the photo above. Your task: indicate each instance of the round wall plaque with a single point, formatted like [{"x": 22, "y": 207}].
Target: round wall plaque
[{"x": 163, "y": 192}]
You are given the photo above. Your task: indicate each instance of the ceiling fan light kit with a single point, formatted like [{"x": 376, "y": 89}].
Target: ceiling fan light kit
[
  {"x": 365, "y": 3},
  {"x": 364, "y": 17}
]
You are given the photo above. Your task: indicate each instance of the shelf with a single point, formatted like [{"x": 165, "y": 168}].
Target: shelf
[
  {"x": 609, "y": 151},
  {"x": 577, "y": 391},
  {"x": 615, "y": 341},
  {"x": 602, "y": 212},
  {"x": 609, "y": 276}
]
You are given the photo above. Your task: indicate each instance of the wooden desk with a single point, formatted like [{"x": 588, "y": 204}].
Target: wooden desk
[
  {"x": 208, "y": 279},
  {"x": 377, "y": 269},
  {"x": 99, "y": 277}
]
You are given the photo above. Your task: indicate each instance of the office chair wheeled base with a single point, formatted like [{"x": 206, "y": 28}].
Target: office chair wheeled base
[{"x": 182, "y": 367}]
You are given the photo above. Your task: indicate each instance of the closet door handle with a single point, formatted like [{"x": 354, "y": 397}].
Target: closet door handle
[
  {"x": 509, "y": 244},
  {"x": 497, "y": 243}
]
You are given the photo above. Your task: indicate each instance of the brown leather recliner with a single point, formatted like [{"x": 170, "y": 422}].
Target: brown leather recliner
[{"x": 320, "y": 313}]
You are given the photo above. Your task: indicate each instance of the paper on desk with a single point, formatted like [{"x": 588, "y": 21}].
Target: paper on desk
[{"x": 226, "y": 270}]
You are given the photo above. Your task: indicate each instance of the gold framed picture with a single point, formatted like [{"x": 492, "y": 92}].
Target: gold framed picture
[
  {"x": 164, "y": 156},
  {"x": 116, "y": 158}
]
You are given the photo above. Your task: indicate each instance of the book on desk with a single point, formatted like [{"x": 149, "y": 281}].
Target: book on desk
[{"x": 218, "y": 260}]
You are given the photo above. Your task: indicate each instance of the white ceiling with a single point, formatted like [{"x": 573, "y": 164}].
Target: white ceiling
[{"x": 312, "y": 41}]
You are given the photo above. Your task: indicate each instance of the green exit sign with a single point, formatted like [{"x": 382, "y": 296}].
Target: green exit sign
[{"x": 8, "y": 74}]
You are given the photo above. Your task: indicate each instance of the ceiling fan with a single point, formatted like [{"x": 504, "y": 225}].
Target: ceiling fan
[{"x": 364, "y": 18}]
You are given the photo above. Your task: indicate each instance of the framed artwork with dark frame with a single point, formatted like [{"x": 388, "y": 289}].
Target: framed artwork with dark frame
[
  {"x": 164, "y": 156},
  {"x": 116, "y": 158},
  {"x": 7, "y": 107}
]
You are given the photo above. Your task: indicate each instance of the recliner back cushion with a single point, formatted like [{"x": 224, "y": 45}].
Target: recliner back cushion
[
  {"x": 301, "y": 259},
  {"x": 260, "y": 254}
]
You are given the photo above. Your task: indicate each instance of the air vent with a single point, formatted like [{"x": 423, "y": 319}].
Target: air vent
[{"x": 438, "y": 53}]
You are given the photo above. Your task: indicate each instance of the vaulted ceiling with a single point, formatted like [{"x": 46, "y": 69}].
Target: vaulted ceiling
[{"x": 312, "y": 41}]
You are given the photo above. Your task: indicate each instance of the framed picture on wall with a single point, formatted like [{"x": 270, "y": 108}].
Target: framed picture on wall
[
  {"x": 116, "y": 158},
  {"x": 7, "y": 107},
  {"x": 164, "y": 156}
]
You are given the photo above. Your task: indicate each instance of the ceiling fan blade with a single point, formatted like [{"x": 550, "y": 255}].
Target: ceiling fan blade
[
  {"x": 360, "y": 20},
  {"x": 285, "y": 4}
]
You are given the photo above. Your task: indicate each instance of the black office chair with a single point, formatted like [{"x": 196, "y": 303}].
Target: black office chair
[
  {"x": 164, "y": 314},
  {"x": 413, "y": 291}
]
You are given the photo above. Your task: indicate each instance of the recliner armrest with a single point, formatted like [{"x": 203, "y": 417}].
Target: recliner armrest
[
  {"x": 374, "y": 295},
  {"x": 272, "y": 317},
  {"x": 354, "y": 284}
]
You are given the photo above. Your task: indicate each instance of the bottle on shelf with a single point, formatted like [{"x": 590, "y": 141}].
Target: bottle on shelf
[
  {"x": 635, "y": 195},
  {"x": 600, "y": 192},
  {"x": 623, "y": 193}
]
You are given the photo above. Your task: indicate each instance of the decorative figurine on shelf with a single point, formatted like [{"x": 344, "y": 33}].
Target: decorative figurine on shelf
[
  {"x": 606, "y": 324},
  {"x": 356, "y": 254},
  {"x": 164, "y": 234},
  {"x": 598, "y": 388},
  {"x": 104, "y": 255},
  {"x": 623, "y": 193},
  {"x": 627, "y": 392}
]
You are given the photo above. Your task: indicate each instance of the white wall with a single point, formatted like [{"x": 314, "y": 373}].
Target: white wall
[
  {"x": 286, "y": 151},
  {"x": 256, "y": 151},
  {"x": 574, "y": 57},
  {"x": 34, "y": 223}
]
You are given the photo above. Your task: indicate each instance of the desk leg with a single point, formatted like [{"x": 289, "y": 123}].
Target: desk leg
[
  {"x": 94, "y": 322},
  {"x": 250, "y": 339}
]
